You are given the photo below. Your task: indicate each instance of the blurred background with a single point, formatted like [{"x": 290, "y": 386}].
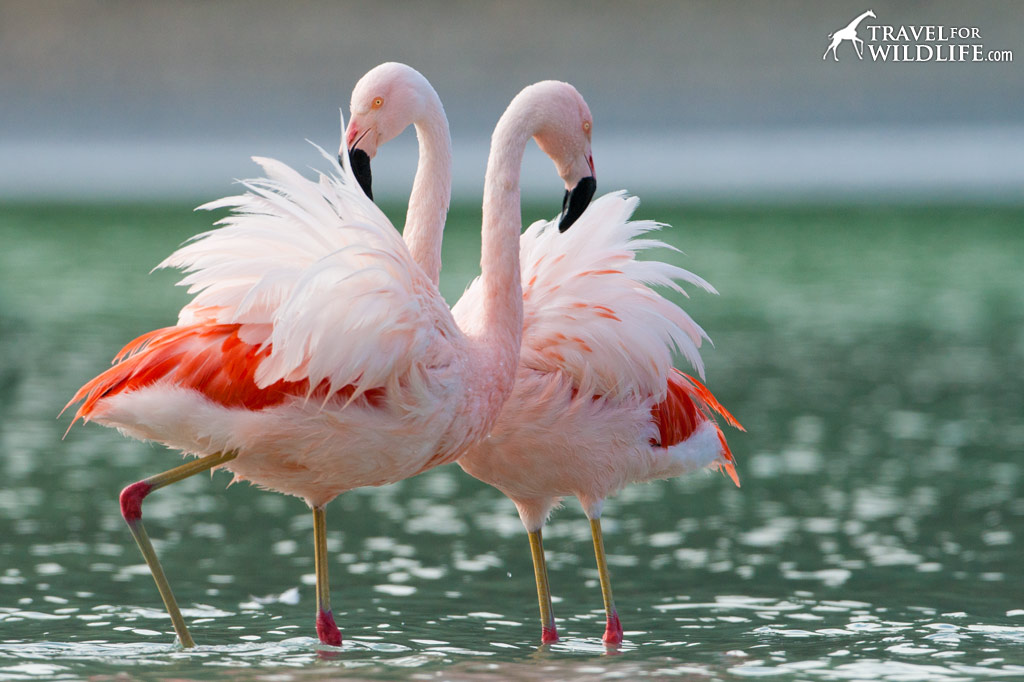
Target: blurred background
[
  {"x": 861, "y": 221},
  {"x": 693, "y": 100}
]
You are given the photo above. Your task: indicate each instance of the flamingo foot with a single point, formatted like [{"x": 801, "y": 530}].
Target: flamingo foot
[
  {"x": 549, "y": 635},
  {"x": 326, "y": 629},
  {"x": 613, "y": 631}
]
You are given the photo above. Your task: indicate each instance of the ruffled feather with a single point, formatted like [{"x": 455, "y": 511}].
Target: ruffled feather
[
  {"x": 315, "y": 271},
  {"x": 591, "y": 308}
]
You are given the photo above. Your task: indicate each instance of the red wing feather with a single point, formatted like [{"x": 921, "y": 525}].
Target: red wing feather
[
  {"x": 688, "y": 404},
  {"x": 209, "y": 358}
]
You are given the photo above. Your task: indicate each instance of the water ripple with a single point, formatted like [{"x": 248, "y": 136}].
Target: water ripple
[{"x": 873, "y": 355}]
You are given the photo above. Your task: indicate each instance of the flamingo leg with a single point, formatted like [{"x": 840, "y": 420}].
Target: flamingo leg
[
  {"x": 326, "y": 629},
  {"x": 131, "y": 509},
  {"x": 613, "y": 630},
  {"x": 540, "y": 571}
]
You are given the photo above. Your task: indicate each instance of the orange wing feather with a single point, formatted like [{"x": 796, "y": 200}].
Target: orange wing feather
[
  {"x": 209, "y": 358},
  {"x": 688, "y": 404}
]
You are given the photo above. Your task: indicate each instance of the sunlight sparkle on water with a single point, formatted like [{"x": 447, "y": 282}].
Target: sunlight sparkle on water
[{"x": 872, "y": 354}]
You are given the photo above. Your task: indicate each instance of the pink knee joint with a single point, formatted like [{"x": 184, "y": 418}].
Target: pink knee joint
[{"x": 131, "y": 500}]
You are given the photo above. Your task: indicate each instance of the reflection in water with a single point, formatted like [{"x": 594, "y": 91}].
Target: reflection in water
[{"x": 873, "y": 355}]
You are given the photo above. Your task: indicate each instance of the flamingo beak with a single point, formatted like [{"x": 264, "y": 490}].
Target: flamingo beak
[
  {"x": 360, "y": 150},
  {"x": 360, "y": 161},
  {"x": 576, "y": 201}
]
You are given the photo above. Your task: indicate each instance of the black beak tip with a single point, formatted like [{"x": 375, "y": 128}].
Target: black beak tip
[
  {"x": 360, "y": 162},
  {"x": 576, "y": 201}
]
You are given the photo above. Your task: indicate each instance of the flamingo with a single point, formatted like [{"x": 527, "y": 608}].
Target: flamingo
[
  {"x": 316, "y": 355},
  {"x": 596, "y": 403}
]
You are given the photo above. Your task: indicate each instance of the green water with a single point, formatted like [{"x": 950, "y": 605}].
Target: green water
[{"x": 875, "y": 356}]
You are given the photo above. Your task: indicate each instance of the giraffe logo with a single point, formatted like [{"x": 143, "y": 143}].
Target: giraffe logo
[{"x": 848, "y": 32}]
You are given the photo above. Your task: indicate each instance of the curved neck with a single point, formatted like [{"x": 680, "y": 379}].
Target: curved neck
[
  {"x": 431, "y": 190},
  {"x": 501, "y": 317}
]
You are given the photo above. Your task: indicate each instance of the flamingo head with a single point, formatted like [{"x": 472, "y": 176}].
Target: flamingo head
[
  {"x": 385, "y": 102},
  {"x": 563, "y": 133}
]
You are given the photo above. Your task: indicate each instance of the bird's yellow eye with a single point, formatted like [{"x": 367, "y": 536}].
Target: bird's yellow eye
[
  {"x": 378, "y": 102},
  {"x": 586, "y": 126}
]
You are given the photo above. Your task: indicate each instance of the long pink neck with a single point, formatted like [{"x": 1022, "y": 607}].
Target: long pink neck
[
  {"x": 431, "y": 190},
  {"x": 501, "y": 321}
]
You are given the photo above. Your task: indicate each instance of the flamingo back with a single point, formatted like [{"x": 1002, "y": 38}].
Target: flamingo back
[
  {"x": 591, "y": 308},
  {"x": 315, "y": 271},
  {"x": 305, "y": 288}
]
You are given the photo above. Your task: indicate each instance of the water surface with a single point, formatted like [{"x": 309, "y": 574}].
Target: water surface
[{"x": 874, "y": 355}]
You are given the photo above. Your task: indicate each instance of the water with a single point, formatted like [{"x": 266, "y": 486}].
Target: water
[{"x": 874, "y": 355}]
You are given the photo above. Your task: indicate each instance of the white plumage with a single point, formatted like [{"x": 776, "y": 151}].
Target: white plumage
[
  {"x": 304, "y": 264},
  {"x": 588, "y": 299}
]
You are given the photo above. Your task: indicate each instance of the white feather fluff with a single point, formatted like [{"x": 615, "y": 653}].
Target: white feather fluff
[
  {"x": 590, "y": 306},
  {"x": 315, "y": 269}
]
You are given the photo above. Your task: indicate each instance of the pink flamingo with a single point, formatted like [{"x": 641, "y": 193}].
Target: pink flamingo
[
  {"x": 316, "y": 355},
  {"x": 596, "y": 403}
]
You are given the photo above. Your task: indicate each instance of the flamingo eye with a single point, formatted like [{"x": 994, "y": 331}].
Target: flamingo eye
[
  {"x": 378, "y": 102},
  {"x": 586, "y": 127}
]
